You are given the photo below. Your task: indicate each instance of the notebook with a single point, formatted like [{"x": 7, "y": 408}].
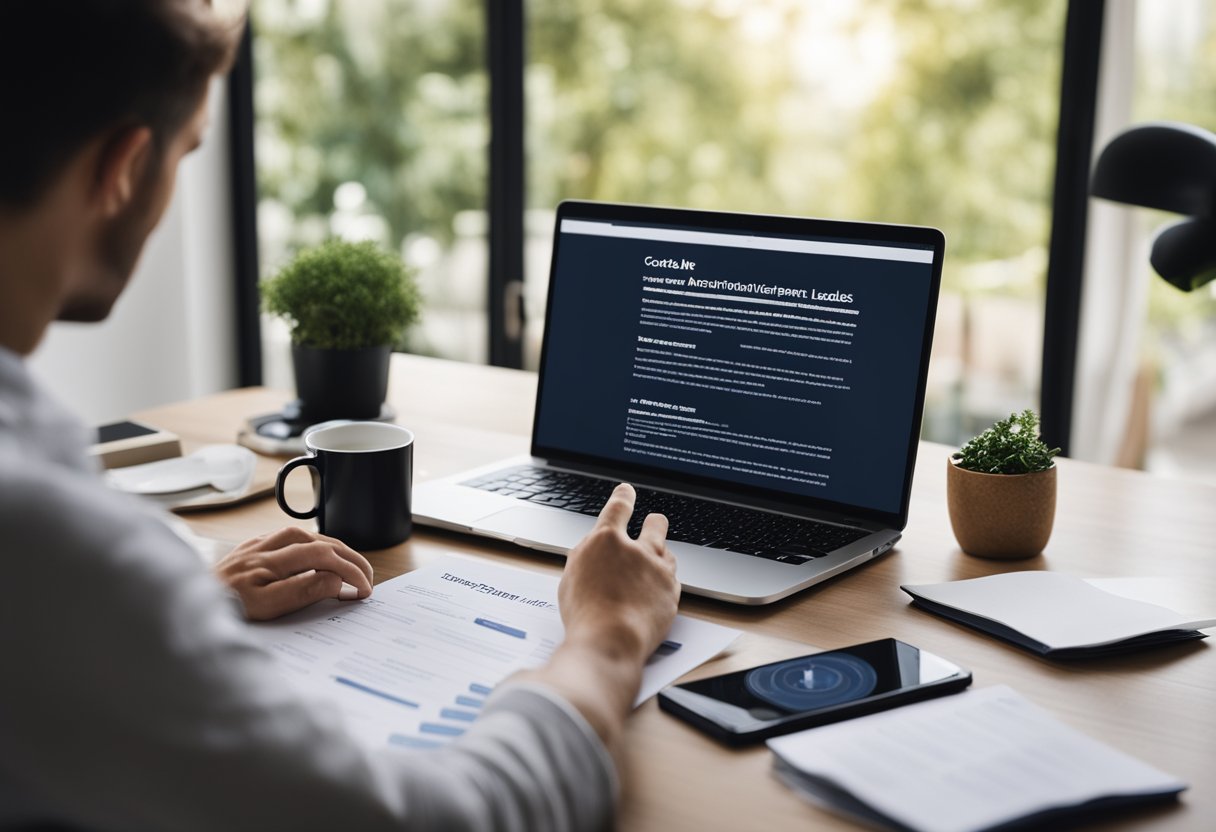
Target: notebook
[
  {"x": 760, "y": 380},
  {"x": 1061, "y": 616}
]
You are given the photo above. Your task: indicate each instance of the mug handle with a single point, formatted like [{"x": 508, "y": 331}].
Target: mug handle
[{"x": 281, "y": 479}]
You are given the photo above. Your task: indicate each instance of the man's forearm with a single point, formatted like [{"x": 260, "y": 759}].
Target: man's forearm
[{"x": 599, "y": 679}]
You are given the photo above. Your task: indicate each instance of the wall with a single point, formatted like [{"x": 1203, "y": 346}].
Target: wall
[{"x": 172, "y": 334}]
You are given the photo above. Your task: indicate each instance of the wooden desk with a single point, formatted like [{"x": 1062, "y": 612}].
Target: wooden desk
[{"x": 1158, "y": 706}]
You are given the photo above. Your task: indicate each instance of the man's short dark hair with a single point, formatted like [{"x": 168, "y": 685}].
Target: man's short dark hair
[{"x": 72, "y": 69}]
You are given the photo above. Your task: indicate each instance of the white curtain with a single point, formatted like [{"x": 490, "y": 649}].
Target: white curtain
[{"x": 1116, "y": 275}]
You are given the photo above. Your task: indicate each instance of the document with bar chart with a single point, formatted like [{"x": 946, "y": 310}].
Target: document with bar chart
[{"x": 412, "y": 665}]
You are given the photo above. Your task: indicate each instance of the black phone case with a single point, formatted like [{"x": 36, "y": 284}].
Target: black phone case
[{"x": 813, "y": 719}]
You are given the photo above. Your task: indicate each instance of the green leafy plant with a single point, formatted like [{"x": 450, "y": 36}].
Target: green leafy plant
[
  {"x": 1010, "y": 446},
  {"x": 342, "y": 295}
]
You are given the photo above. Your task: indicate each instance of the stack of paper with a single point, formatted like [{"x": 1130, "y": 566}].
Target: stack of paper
[
  {"x": 1059, "y": 615},
  {"x": 975, "y": 761}
]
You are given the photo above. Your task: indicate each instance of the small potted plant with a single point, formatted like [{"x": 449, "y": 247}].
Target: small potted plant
[
  {"x": 347, "y": 304},
  {"x": 1001, "y": 490}
]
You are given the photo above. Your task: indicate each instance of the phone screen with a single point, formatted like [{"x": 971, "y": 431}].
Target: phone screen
[
  {"x": 759, "y": 698},
  {"x": 122, "y": 430}
]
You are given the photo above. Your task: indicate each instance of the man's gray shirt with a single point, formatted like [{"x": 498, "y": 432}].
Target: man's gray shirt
[{"x": 133, "y": 695}]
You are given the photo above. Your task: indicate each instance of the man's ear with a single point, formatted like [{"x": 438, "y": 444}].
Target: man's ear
[{"x": 121, "y": 166}]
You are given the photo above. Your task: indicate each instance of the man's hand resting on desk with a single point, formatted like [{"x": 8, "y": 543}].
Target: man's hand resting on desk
[
  {"x": 289, "y": 569},
  {"x": 617, "y": 597}
]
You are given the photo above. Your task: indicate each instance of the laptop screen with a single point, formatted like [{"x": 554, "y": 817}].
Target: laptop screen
[{"x": 776, "y": 356}]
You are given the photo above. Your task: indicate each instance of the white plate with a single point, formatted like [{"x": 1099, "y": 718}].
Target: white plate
[{"x": 212, "y": 475}]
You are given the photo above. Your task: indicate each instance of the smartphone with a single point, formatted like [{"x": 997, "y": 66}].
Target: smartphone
[
  {"x": 130, "y": 443},
  {"x": 753, "y": 705},
  {"x": 116, "y": 431}
]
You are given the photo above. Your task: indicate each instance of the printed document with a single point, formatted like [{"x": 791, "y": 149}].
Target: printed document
[
  {"x": 411, "y": 665},
  {"x": 973, "y": 761}
]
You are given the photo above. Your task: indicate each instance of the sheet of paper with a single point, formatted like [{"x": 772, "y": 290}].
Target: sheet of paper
[
  {"x": 1184, "y": 597},
  {"x": 412, "y": 665},
  {"x": 209, "y": 549},
  {"x": 1057, "y": 609},
  {"x": 967, "y": 762}
]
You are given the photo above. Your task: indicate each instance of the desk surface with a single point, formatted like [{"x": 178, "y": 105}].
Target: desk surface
[{"x": 1110, "y": 522}]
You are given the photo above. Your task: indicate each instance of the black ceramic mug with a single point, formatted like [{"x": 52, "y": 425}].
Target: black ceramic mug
[{"x": 362, "y": 473}]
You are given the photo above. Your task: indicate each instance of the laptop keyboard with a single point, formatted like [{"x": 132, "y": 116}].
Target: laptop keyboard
[{"x": 700, "y": 522}]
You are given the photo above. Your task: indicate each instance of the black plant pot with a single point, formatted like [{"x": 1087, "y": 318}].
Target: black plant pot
[{"x": 340, "y": 384}]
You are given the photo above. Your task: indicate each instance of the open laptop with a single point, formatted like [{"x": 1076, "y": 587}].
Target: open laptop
[{"x": 759, "y": 379}]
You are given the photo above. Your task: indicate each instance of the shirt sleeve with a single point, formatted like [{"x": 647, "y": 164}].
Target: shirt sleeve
[
  {"x": 134, "y": 697},
  {"x": 526, "y": 735}
]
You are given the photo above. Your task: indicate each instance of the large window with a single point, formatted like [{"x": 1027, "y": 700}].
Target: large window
[
  {"x": 1174, "y": 402},
  {"x": 371, "y": 123},
  {"x": 901, "y": 111}
]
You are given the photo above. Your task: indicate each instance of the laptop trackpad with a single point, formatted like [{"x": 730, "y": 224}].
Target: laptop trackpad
[{"x": 538, "y": 528}]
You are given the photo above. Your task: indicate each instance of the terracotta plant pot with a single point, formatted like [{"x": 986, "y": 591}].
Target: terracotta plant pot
[{"x": 1001, "y": 515}]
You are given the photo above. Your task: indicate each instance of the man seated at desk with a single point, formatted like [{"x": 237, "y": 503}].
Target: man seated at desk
[{"x": 133, "y": 695}]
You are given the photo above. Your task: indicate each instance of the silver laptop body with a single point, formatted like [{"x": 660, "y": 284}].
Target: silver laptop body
[{"x": 773, "y": 364}]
